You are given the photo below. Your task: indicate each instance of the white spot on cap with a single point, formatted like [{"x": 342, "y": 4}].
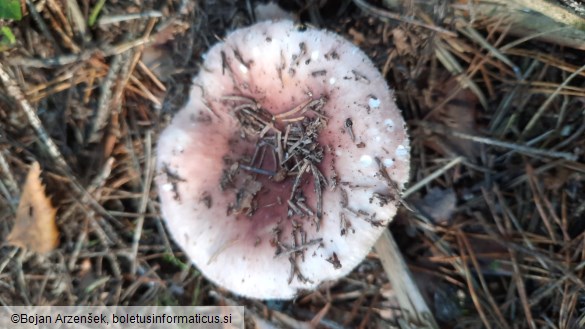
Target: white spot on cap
[
  {"x": 374, "y": 133},
  {"x": 338, "y": 153},
  {"x": 374, "y": 102},
  {"x": 315, "y": 55},
  {"x": 256, "y": 51},
  {"x": 243, "y": 68},
  {"x": 332, "y": 81},
  {"x": 179, "y": 148},
  {"x": 389, "y": 124},
  {"x": 167, "y": 187},
  {"x": 388, "y": 162},
  {"x": 401, "y": 151},
  {"x": 366, "y": 160}
]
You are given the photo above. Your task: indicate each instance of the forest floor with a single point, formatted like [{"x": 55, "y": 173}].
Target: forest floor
[{"x": 494, "y": 231}]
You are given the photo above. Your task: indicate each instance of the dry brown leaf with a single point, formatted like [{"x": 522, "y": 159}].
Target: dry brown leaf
[
  {"x": 358, "y": 37},
  {"x": 34, "y": 228},
  {"x": 458, "y": 114},
  {"x": 401, "y": 42}
]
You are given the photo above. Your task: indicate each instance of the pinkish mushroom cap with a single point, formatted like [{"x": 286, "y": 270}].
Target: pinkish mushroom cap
[{"x": 287, "y": 162}]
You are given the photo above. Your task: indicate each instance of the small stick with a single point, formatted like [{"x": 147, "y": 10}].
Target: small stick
[
  {"x": 42, "y": 25},
  {"x": 113, "y": 19},
  {"x": 151, "y": 76},
  {"x": 238, "y": 98},
  {"x": 294, "y": 207},
  {"x": 301, "y": 246},
  {"x": 149, "y": 169},
  {"x": 490, "y": 141},
  {"x": 274, "y": 160},
  {"x": 104, "y": 107},
  {"x": 255, "y": 155},
  {"x": 298, "y": 178},
  {"x": 258, "y": 170},
  {"x": 77, "y": 17},
  {"x": 296, "y": 109},
  {"x": 431, "y": 177},
  {"x": 293, "y": 267},
  {"x": 318, "y": 192},
  {"x": 306, "y": 209},
  {"x": 8, "y": 178},
  {"x": 297, "y": 119},
  {"x": 291, "y": 150}
]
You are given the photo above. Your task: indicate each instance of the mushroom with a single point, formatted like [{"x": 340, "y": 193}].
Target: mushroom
[{"x": 287, "y": 162}]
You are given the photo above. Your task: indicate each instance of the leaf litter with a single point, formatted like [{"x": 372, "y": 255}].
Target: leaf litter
[
  {"x": 34, "y": 226},
  {"x": 527, "y": 272}
]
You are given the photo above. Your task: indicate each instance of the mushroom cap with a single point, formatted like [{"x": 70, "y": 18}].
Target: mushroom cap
[{"x": 269, "y": 254}]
